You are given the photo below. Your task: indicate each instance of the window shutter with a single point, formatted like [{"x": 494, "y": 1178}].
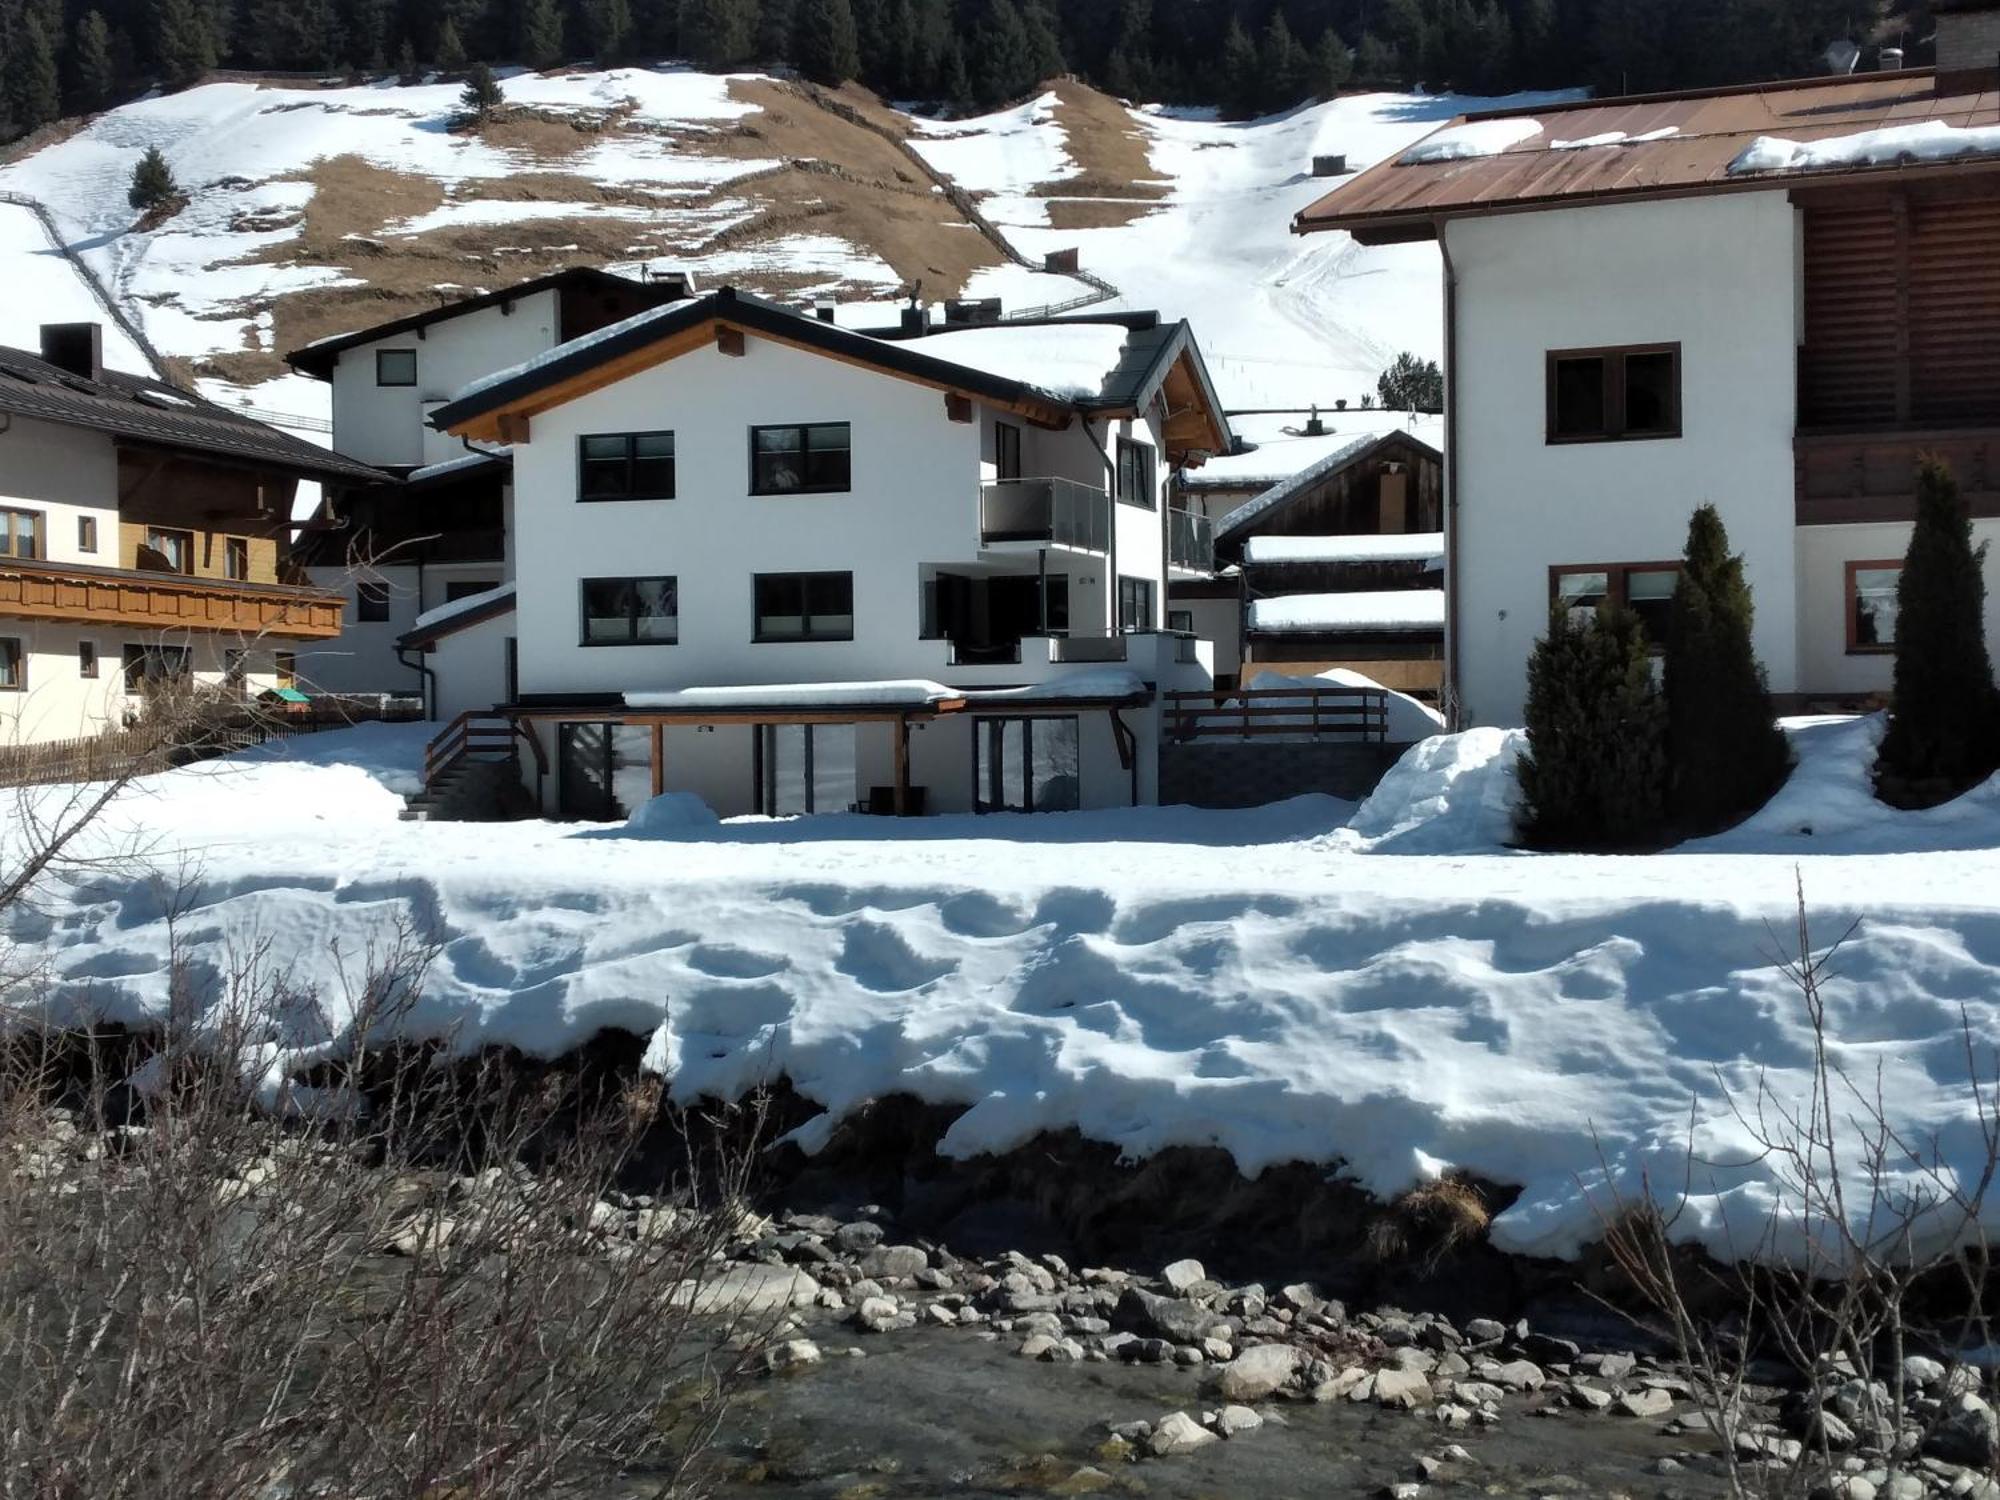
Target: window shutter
[
  {"x": 1848, "y": 365},
  {"x": 1955, "y": 310}
]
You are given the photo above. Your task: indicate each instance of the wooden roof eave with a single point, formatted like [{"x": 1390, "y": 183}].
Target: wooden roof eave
[{"x": 508, "y": 423}]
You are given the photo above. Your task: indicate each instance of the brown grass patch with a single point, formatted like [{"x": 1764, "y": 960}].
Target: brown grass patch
[
  {"x": 1431, "y": 1221},
  {"x": 1095, "y": 213},
  {"x": 1106, "y": 143}
]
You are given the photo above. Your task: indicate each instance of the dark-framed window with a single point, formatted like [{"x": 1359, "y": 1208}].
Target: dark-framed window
[
  {"x": 86, "y": 658},
  {"x": 21, "y": 534},
  {"x": 1026, "y": 765},
  {"x": 1871, "y": 606},
  {"x": 175, "y": 549},
  {"x": 1647, "y": 589},
  {"x": 1626, "y": 394},
  {"x": 13, "y": 665},
  {"x": 235, "y": 667},
  {"x": 1006, "y": 451},
  {"x": 1135, "y": 475},
  {"x": 814, "y": 458},
  {"x": 395, "y": 367},
  {"x": 236, "y": 559},
  {"x": 631, "y": 611},
  {"x": 625, "y": 466},
  {"x": 149, "y": 666},
  {"x": 86, "y": 533},
  {"x": 371, "y": 601},
  {"x": 804, "y": 606},
  {"x": 1181, "y": 621},
  {"x": 1135, "y": 603}
]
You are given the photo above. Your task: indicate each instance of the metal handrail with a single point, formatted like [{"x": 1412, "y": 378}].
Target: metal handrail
[
  {"x": 1064, "y": 512},
  {"x": 1190, "y": 541}
]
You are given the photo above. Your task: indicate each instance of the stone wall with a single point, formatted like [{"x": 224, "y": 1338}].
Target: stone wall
[{"x": 1226, "y": 774}]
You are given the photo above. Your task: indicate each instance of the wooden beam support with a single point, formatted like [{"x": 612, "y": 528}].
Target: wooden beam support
[
  {"x": 902, "y": 765},
  {"x": 659, "y": 759},
  {"x": 729, "y": 341},
  {"x": 956, "y": 407},
  {"x": 512, "y": 427}
]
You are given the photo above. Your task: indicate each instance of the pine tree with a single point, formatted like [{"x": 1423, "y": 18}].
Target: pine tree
[
  {"x": 1375, "y": 61},
  {"x": 712, "y": 33},
  {"x": 367, "y": 33},
  {"x": 183, "y": 43},
  {"x": 541, "y": 33},
  {"x": 449, "y": 53},
  {"x": 30, "y": 94},
  {"x": 481, "y": 94},
  {"x": 954, "y": 79},
  {"x": 153, "y": 184},
  {"x": 1411, "y": 384},
  {"x": 824, "y": 44},
  {"x": 407, "y": 69},
  {"x": 1002, "y": 63},
  {"x": 1282, "y": 62},
  {"x": 610, "y": 26},
  {"x": 93, "y": 75},
  {"x": 1594, "y": 775},
  {"x": 775, "y": 29},
  {"x": 1332, "y": 64},
  {"x": 1942, "y": 715},
  {"x": 1242, "y": 84},
  {"x": 1725, "y": 752},
  {"x": 1045, "y": 53}
]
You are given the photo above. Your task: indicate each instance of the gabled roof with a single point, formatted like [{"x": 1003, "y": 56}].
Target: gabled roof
[
  {"x": 141, "y": 409},
  {"x": 317, "y": 359},
  {"x": 1664, "y": 145},
  {"x": 1241, "y": 520},
  {"x": 1138, "y": 363}
]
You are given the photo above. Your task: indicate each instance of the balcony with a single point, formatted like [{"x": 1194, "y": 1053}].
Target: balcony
[
  {"x": 1046, "y": 513},
  {"x": 77, "y": 595},
  {"x": 1871, "y": 474},
  {"x": 1190, "y": 542}
]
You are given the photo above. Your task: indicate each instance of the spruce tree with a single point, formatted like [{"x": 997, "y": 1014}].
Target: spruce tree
[
  {"x": 153, "y": 184},
  {"x": 481, "y": 94},
  {"x": 541, "y": 33},
  {"x": 775, "y": 25},
  {"x": 1594, "y": 775},
  {"x": 610, "y": 25},
  {"x": 1375, "y": 61},
  {"x": 1942, "y": 716},
  {"x": 1411, "y": 384},
  {"x": 1725, "y": 752},
  {"x": 30, "y": 94},
  {"x": 1242, "y": 83},
  {"x": 184, "y": 44},
  {"x": 448, "y": 52},
  {"x": 1282, "y": 63},
  {"x": 1001, "y": 63},
  {"x": 823, "y": 42},
  {"x": 407, "y": 69},
  {"x": 93, "y": 75},
  {"x": 954, "y": 79},
  {"x": 1332, "y": 64},
  {"x": 712, "y": 34}
]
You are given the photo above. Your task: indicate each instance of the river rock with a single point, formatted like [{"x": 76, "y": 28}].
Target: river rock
[
  {"x": 1516, "y": 1375},
  {"x": 747, "y": 1291},
  {"x": 1403, "y": 1389},
  {"x": 1589, "y": 1397},
  {"x": 1183, "y": 1275},
  {"x": 1175, "y": 1318},
  {"x": 894, "y": 1262},
  {"x": 858, "y": 1238},
  {"x": 1177, "y": 1432},
  {"x": 1257, "y": 1373},
  {"x": 792, "y": 1354},
  {"x": 1969, "y": 1433},
  {"x": 1485, "y": 1331},
  {"x": 1648, "y": 1402},
  {"x": 1233, "y": 1419},
  {"x": 877, "y": 1314},
  {"x": 1545, "y": 1350}
]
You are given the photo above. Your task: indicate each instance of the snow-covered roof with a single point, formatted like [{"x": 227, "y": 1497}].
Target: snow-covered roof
[
  {"x": 1400, "y": 609},
  {"x": 1414, "y": 546},
  {"x": 1924, "y": 141},
  {"x": 1064, "y": 359},
  {"x": 461, "y": 465},
  {"x": 1084, "y": 683},
  {"x": 1329, "y": 462},
  {"x": 446, "y": 613},
  {"x": 1474, "y": 138}
]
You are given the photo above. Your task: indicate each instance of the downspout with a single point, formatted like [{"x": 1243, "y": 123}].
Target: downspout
[
  {"x": 1454, "y": 700},
  {"x": 430, "y": 682},
  {"x": 1111, "y": 538}
]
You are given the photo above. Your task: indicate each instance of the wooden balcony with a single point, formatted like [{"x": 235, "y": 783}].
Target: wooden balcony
[
  {"x": 1871, "y": 474},
  {"x": 77, "y": 595}
]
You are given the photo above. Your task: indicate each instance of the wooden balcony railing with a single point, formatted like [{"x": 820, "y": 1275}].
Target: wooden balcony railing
[
  {"x": 78, "y": 595},
  {"x": 1871, "y": 475}
]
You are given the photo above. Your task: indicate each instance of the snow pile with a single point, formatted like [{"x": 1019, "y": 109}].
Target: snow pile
[
  {"x": 1079, "y": 682},
  {"x": 912, "y": 692},
  {"x": 1473, "y": 139},
  {"x": 464, "y": 606},
  {"x": 671, "y": 815},
  {"x": 1266, "y": 981},
  {"x": 1450, "y": 794},
  {"x": 1389, "y": 609},
  {"x": 1616, "y": 138},
  {"x": 1414, "y": 546},
  {"x": 1068, "y": 361},
  {"x": 1924, "y": 141}
]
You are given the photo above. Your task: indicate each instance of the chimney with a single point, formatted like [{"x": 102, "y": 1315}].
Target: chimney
[
  {"x": 823, "y": 310},
  {"x": 1890, "y": 60},
  {"x": 75, "y": 347},
  {"x": 1314, "y": 426},
  {"x": 679, "y": 285},
  {"x": 916, "y": 321},
  {"x": 1968, "y": 44}
]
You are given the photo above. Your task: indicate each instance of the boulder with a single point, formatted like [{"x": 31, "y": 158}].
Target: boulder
[
  {"x": 1968, "y": 1433},
  {"x": 1233, "y": 1419},
  {"x": 877, "y": 1314},
  {"x": 1177, "y": 1432},
  {"x": 1173, "y": 1318},
  {"x": 1402, "y": 1389},
  {"x": 1257, "y": 1373},
  {"x": 894, "y": 1262},
  {"x": 1183, "y": 1275},
  {"x": 747, "y": 1291},
  {"x": 1649, "y": 1402},
  {"x": 858, "y": 1238},
  {"x": 1517, "y": 1375},
  {"x": 792, "y": 1354}
]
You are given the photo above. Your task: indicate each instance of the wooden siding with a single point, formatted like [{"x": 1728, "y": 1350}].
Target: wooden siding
[
  {"x": 1872, "y": 476},
  {"x": 1348, "y": 502},
  {"x": 1902, "y": 309},
  {"x": 165, "y": 601}
]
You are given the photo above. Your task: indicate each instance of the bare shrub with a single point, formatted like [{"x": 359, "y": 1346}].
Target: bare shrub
[
  {"x": 1874, "y": 1250},
  {"x": 219, "y": 1281}
]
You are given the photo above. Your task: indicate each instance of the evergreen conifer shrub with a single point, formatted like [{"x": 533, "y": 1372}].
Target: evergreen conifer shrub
[
  {"x": 481, "y": 94},
  {"x": 1594, "y": 775},
  {"x": 153, "y": 184},
  {"x": 1943, "y": 724},
  {"x": 1725, "y": 752}
]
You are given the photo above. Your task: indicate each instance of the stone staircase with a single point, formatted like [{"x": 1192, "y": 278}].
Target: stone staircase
[{"x": 472, "y": 773}]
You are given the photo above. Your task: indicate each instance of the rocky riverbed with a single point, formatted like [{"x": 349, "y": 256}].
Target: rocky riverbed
[{"x": 898, "y": 1369}]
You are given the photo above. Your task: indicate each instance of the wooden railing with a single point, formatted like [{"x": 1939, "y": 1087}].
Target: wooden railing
[
  {"x": 1872, "y": 476},
  {"x": 1316, "y": 713},
  {"x": 476, "y": 734},
  {"x": 83, "y": 595}
]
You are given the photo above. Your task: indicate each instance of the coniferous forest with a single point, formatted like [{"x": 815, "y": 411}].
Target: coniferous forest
[{"x": 1248, "y": 57}]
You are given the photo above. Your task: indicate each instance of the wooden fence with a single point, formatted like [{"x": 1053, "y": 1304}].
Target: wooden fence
[{"x": 1352, "y": 713}]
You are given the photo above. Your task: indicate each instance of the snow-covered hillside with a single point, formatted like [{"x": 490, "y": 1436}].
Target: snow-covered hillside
[
  {"x": 1388, "y": 988},
  {"x": 313, "y": 209}
]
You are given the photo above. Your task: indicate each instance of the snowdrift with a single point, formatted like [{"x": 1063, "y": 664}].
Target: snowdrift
[{"x": 1270, "y": 982}]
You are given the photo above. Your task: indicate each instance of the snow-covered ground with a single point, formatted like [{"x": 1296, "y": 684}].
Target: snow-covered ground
[
  {"x": 1387, "y": 987},
  {"x": 43, "y": 287}
]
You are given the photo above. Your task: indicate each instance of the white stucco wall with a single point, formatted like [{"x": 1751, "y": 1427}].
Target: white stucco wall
[
  {"x": 63, "y": 473},
  {"x": 914, "y": 501},
  {"x": 1717, "y": 275},
  {"x": 60, "y": 703},
  {"x": 469, "y": 668},
  {"x": 1825, "y": 666},
  {"x": 385, "y": 424}
]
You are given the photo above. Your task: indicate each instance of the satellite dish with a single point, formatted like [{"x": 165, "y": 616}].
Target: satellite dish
[{"x": 1841, "y": 56}]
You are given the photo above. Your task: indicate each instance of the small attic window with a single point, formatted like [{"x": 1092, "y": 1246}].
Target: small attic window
[{"x": 395, "y": 367}]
